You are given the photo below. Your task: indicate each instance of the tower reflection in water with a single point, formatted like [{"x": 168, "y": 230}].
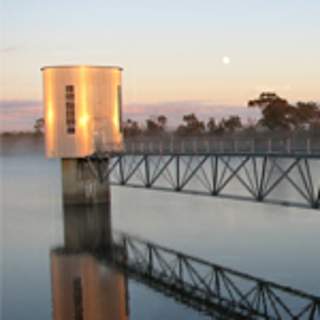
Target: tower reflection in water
[{"x": 84, "y": 286}]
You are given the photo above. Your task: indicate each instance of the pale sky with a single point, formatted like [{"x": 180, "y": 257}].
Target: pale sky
[{"x": 217, "y": 52}]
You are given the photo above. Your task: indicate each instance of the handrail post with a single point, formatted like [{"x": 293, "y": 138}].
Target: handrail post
[
  {"x": 288, "y": 145},
  {"x": 141, "y": 146},
  {"x": 269, "y": 146},
  {"x": 135, "y": 146},
  {"x": 150, "y": 146},
  {"x": 308, "y": 146},
  {"x": 171, "y": 144}
]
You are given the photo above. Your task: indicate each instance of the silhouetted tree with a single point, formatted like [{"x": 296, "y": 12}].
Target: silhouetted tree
[
  {"x": 211, "y": 125},
  {"x": 276, "y": 111},
  {"x": 156, "y": 126},
  {"x": 162, "y": 120},
  {"x": 131, "y": 128},
  {"x": 39, "y": 126},
  {"x": 220, "y": 130},
  {"x": 152, "y": 127},
  {"x": 306, "y": 113},
  {"x": 192, "y": 125},
  {"x": 231, "y": 124}
]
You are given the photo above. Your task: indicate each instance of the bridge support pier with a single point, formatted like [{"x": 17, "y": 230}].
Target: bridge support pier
[{"x": 80, "y": 185}]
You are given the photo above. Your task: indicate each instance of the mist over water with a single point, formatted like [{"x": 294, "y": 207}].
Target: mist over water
[{"x": 274, "y": 242}]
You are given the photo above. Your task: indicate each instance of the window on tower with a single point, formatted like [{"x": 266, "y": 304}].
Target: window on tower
[{"x": 70, "y": 109}]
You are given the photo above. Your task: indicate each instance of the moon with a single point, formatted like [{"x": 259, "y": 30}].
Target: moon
[{"x": 226, "y": 60}]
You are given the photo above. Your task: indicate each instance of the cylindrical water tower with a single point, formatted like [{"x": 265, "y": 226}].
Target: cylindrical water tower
[
  {"x": 82, "y": 117},
  {"x": 82, "y": 110}
]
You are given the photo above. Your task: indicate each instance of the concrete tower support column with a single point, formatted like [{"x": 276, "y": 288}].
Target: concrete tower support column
[{"x": 81, "y": 186}]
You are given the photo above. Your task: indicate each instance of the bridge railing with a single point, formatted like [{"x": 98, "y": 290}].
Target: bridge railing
[{"x": 207, "y": 145}]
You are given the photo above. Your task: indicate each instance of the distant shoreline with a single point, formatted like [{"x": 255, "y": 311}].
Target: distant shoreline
[{"x": 21, "y": 143}]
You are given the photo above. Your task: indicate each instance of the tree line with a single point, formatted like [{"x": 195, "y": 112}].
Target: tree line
[{"x": 276, "y": 114}]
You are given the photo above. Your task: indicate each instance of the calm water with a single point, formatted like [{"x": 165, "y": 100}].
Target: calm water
[{"x": 278, "y": 243}]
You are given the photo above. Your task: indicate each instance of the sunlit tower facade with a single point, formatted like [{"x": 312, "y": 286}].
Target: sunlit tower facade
[{"x": 83, "y": 107}]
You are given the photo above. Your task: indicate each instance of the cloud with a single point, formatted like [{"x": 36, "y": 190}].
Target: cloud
[
  {"x": 273, "y": 88},
  {"x": 10, "y": 49},
  {"x": 11, "y": 109},
  {"x": 175, "y": 110},
  {"x": 21, "y": 114}
]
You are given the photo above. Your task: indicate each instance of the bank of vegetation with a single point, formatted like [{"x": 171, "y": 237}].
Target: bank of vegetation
[{"x": 279, "y": 119}]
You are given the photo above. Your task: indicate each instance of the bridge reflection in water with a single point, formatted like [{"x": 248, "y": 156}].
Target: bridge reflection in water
[
  {"x": 90, "y": 272},
  {"x": 212, "y": 288}
]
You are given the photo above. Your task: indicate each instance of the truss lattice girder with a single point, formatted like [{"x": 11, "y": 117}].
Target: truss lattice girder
[{"x": 258, "y": 177}]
